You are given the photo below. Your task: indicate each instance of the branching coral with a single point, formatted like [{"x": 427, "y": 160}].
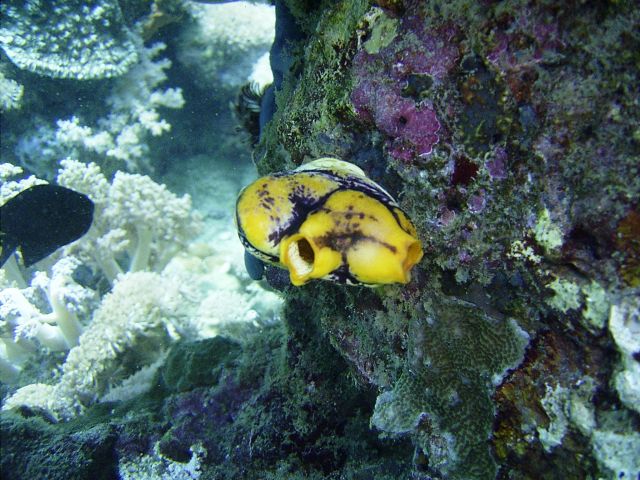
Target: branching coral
[
  {"x": 77, "y": 39},
  {"x": 137, "y": 223},
  {"x": 58, "y": 329},
  {"x": 43, "y": 314},
  {"x": 133, "y": 115},
  {"x": 119, "y": 139},
  {"x": 10, "y": 93},
  {"x": 11, "y": 184}
]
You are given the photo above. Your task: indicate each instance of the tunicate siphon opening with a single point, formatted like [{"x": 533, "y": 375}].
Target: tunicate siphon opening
[
  {"x": 305, "y": 251},
  {"x": 414, "y": 254},
  {"x": 301, "y": 256}
]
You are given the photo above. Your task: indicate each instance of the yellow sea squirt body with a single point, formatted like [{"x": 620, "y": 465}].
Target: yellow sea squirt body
[{"x": 327, "y": 220}]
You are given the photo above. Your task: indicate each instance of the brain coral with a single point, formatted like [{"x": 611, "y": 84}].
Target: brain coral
[{"x": 458, "y": 354}]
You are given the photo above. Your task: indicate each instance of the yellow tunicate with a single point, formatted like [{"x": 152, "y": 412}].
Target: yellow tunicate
[{"x": 327, "y": 220}]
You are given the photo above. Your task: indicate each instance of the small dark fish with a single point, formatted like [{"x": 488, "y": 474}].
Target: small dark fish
[{"x": 41, "y": 219}]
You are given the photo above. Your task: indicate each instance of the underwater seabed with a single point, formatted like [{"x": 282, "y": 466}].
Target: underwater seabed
[
  {"x": 227, "y": 300},
  {"x": 501, "y": 137}
]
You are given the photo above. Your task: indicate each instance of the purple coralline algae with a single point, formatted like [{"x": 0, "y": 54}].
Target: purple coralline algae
[
  {"x": 389, "y": 80},
  {"x": 476, "y": 203},
  {"x": 496, "y": 164},
  {"x": 544, "y": 37},
  {"x": 412, "y": 127}
]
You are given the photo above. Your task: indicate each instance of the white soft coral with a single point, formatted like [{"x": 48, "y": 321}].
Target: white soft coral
[
  {"x": 43, "y": 314},
  {"x": 129, "y": 330},
  {"x": 134, "y": 217},
  {"x": 161, "y": 221}
]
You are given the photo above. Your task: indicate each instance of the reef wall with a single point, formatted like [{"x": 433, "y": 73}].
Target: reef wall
[{"x": 509, "y": 131}]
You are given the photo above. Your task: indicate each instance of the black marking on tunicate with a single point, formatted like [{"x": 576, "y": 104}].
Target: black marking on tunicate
[
  {"x": 350, "y": 182},
  {"x": 302, "y": 196},
  {"x": 342, "y": 242},
  {"x": 257, "y": 253},
  {"x": 299, "y": 214},
  {"x": 303, "y": 202},
  {"x": 267, "y": 202},
  {"x": 381, "y": 196},
  {"x": 388, "y": 246},
  {"x": 343, "y": 275}
]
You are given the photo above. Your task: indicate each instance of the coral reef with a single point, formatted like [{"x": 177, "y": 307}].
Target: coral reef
[
  {"x": 106, "y": 106},
  {"x": 134, "y": 216},
  {"x": 499, "y": 173},
  {"x": 456, "y": 354},
  {"x": 137, "y": 318},
  {"x": 111, "y": 343},
  {"x": 508, "y": 132},
  {"x": 220, "y": 409},
  {"x": 138, "y": 226},
  {"x": 23, "y": 320},
  {"x": 52, "y": 312},
  {"x": 225, "y": 41},
  {"x": 120, "y": 139},
  {"x": 399, "y": 61},
  {"x": 10, "y": 93}
]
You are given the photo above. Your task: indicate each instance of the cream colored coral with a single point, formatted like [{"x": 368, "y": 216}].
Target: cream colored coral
[
  {"x": 10, "y": 93},
  {"x": 139, "y": 318},
  {"x": 134, "y": 102},
  {"x": 134, "y": 217}
]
